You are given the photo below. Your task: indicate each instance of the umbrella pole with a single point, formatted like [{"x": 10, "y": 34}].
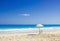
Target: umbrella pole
[{"x": 39, "y": 30}]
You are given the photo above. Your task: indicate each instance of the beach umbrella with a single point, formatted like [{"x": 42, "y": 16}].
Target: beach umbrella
[{"x": 39, "y": 26}]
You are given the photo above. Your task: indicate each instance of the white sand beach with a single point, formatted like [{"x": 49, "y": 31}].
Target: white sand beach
[
  {"x": 32, "y": 34},
  {"x": 30, "y": 31}
]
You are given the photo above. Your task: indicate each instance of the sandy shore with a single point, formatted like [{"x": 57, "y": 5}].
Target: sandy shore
[
  {"x": 45, "y": 35},
  {"x": 41, "y": 37}
]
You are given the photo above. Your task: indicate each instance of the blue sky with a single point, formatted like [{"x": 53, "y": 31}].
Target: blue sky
[{"x": 29, "y": 11}]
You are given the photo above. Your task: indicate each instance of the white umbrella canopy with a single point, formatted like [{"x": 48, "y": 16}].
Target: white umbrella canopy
[{"x": 39, "y": 25}]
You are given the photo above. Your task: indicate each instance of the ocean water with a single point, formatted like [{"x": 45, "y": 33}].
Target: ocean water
[{"x": 28, "y": 26}]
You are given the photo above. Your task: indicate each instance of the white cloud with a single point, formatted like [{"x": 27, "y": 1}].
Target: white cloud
[{"x": 25, "y": 14}]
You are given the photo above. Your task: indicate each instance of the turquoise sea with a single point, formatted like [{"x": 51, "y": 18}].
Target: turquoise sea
[{"x": 28, "y": 26}]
